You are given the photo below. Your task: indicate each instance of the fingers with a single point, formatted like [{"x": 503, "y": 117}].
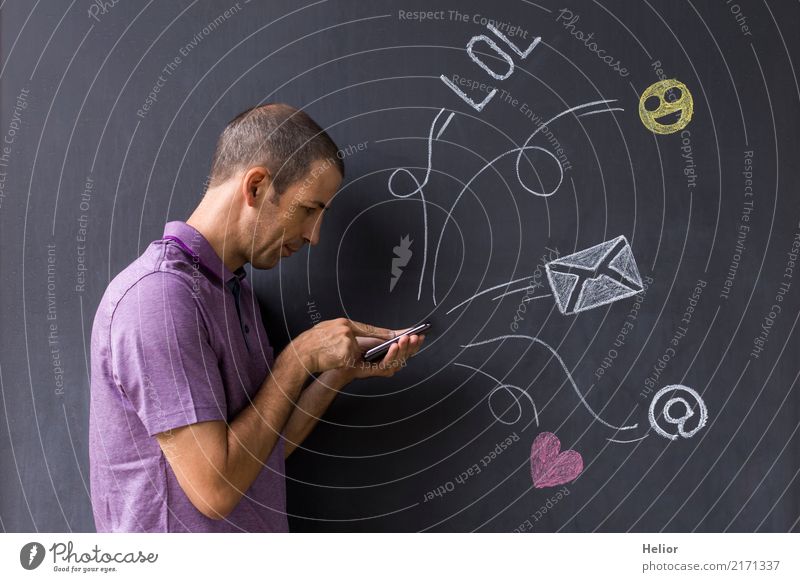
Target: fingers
[
  {"x": 367, "y": 330},
  {"x": 399, "y": 353},
  {"x": 394, "y": 359}
]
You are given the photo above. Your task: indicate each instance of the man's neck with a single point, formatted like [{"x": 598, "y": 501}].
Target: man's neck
[{"x": 219, "y": 234}]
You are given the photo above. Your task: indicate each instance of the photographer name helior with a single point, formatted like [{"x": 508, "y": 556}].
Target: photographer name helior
[{"x": 659, "y": 549}]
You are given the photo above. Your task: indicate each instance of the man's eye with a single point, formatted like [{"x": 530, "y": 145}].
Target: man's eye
[{"x": 309, "y": 210}]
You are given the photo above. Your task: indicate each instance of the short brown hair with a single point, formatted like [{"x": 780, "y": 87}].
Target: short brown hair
[{"x": 284, "y": 139}]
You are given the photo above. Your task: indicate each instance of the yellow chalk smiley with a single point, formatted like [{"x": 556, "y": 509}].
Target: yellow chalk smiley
[{"x": 683, "y": 104}]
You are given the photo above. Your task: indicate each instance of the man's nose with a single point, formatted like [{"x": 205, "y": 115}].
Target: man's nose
[{"x": 312, "y": 234}]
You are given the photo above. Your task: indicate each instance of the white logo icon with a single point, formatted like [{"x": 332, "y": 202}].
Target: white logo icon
[{"x": 402, "y": 254}]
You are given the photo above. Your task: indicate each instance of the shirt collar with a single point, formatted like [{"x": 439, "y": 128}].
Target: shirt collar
[{"x": 206, "y": 254}]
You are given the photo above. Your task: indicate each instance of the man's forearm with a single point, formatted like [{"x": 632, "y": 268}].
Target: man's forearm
[
  {"x": 252, "y": 435},
  {"x": 312, "y": 404}
]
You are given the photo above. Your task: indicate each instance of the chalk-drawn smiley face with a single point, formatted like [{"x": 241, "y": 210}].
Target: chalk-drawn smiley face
[{"x": 668, "y": 97}]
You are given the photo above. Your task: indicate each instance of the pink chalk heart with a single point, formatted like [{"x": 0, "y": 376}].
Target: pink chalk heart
[{"x": 550, "y": 468}]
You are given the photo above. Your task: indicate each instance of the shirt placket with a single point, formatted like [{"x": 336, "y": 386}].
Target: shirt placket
[{"x": 235, "y": 286}]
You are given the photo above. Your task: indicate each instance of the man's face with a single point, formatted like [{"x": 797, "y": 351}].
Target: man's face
[{"x": 285, "y": 225}]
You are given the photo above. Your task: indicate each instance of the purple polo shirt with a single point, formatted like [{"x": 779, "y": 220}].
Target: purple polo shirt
[{"x": 170, "y": 347}]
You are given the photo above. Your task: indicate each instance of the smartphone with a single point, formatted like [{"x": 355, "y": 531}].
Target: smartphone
[{"x": 379, "y": 351}]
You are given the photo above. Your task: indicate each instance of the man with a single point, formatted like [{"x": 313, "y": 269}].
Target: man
[{"x": 192, "y": 416}]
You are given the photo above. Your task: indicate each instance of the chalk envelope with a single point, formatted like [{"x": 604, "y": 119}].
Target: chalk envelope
[{"x": 595, "y": 276}]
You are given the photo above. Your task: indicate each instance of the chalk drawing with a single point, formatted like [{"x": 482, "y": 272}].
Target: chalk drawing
[
  {"x": 563, "y": 366},
  {"x": 550, "y": 466},
  {"x": 511, "y": 45},
  {"x": 490, "y": 289},
  {"x": 683, "y": 104},
  {"x": 688, "y": 411},
  {"x": 419, "y": 187},
  {"x": 593, "y": 277},
  {"x": 628, "y": 441},
  {"x": 508, "y": 389},
  {"x": 601, "y": 111},
  {"x": 477, "y": 60},
  {"x": 519, "y": 291},
  {"x": 519, "y": 151}
]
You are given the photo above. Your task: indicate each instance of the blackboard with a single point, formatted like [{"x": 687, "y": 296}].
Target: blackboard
[{"x": 498, "y": 155}]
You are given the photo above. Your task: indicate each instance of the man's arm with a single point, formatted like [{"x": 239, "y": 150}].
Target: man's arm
[
  {"x": 215, "y": 462},
  {"x": 317, "y": 397},
  {"x": 312, "y": 404}
]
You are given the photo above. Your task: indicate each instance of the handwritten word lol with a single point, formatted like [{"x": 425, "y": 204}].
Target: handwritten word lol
[
  {"x": 509, "y": 62},
  {"x": 685, "y": 411},
  {"x": 681, "y": 103}
]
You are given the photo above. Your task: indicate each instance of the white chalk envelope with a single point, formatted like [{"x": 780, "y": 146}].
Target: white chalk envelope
[{"x": 595, "y": 276}]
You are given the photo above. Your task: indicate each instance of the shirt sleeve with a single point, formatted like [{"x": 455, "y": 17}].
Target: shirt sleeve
[{"x": 161, "y": 355}]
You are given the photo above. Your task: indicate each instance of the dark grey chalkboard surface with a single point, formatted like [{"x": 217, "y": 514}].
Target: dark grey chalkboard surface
[{"x": 478, "y": 161}]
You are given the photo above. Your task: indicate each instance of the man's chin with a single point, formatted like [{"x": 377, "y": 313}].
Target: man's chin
[{"x": 267, "y": 263}]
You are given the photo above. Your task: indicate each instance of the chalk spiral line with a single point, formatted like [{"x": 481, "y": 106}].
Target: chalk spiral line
[
  {"x": 519, "y": 151},
  {"x": 419, "y": 189},
  {"x": 563, "y": 366}
]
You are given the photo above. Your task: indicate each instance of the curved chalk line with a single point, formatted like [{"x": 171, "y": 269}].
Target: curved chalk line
[
  {"x": 468, "y": 299},
  {"x": 519, "y": 152},
  {"x": 563, "y": 366},
  {"x": 501, "y": 384},
  {"x": 419, "y": 188}
]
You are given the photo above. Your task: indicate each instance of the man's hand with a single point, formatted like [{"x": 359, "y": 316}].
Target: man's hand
[
  {"x": 332, "y": 344},
  {"x": 394, "y": 360},
  {"x": 315, "y": 399}
]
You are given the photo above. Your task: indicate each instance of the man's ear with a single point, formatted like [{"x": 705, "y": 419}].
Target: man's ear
[{"x": 256, "y": 185}]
